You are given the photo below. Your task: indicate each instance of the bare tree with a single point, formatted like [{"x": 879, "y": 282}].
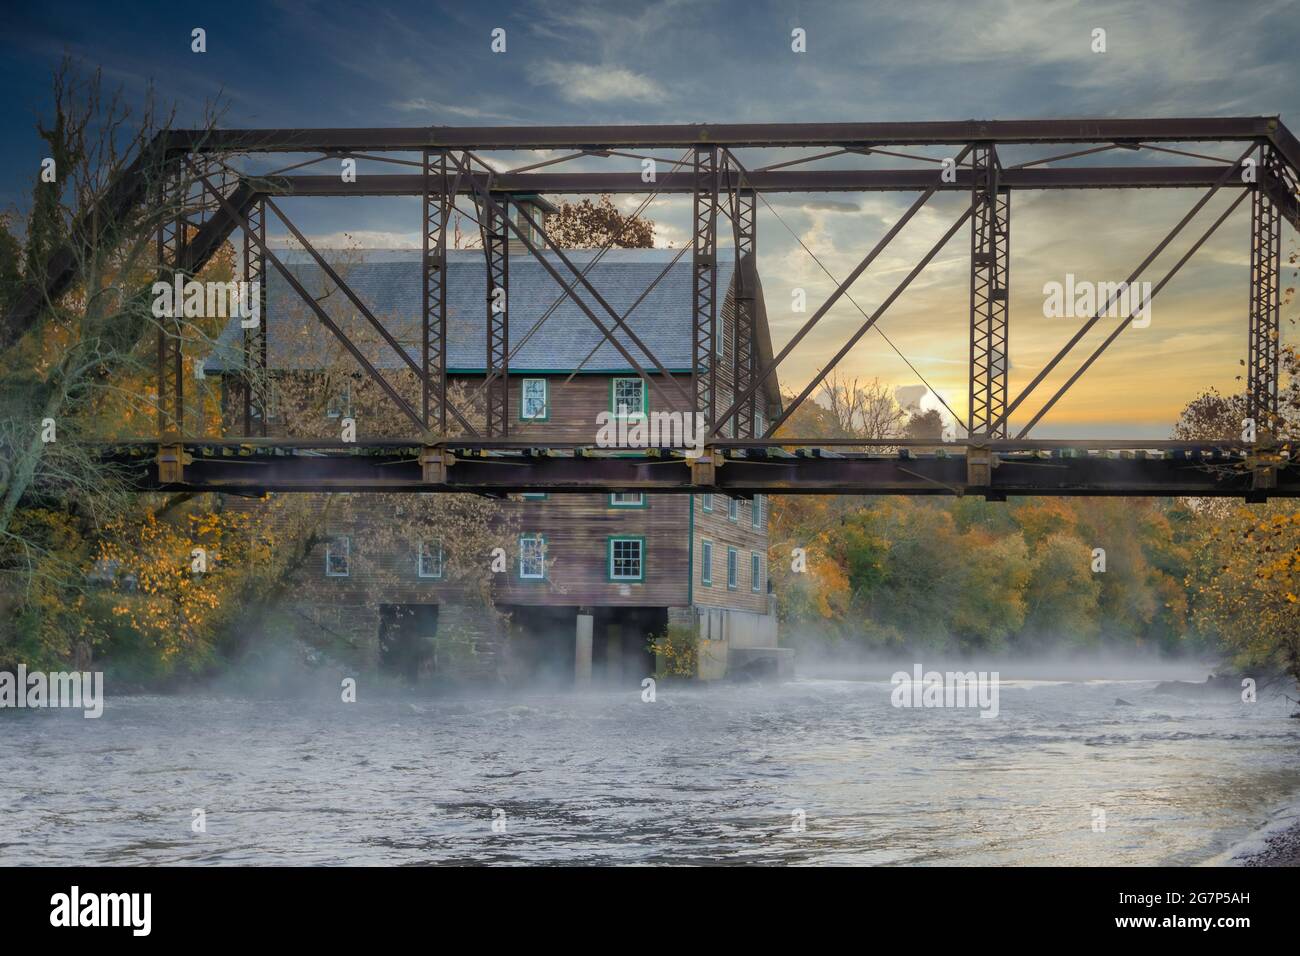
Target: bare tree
[
  {"x": 78, "y": 327},
  {"x": 862, "y": 409}
]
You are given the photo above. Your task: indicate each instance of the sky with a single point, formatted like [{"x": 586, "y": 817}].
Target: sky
[{"x": 695, "y": 61}]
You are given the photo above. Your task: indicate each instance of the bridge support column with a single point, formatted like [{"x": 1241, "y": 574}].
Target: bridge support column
[
  {"x": 434, "y": 463},
  {"x": 704, "y": 469},
  {"x": 704, "y": 263},
  {"x": 979, "y": 466},
  {"x": 613, "y": 653},
  {"x": 171, "y": 464},
  {"x": 990, "y": 260},
  {"x": 1265, "y": 297},
  {"x": 582, "y": 650}
]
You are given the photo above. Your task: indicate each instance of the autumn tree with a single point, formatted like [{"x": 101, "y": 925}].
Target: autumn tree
[
  {"x": 594, "y": 225},
  {"x": 79, "y": 356}
]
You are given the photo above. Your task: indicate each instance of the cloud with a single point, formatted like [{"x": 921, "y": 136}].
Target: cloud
[
  {"x": 583, "y": 83},
  {"x": 422, "y": 105}
]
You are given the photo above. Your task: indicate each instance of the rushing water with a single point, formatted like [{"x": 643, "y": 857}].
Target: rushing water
[{"x": 702, "y": 774}]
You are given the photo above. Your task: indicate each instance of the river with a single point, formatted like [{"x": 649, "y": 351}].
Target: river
[{"x": 699, "y": 775}]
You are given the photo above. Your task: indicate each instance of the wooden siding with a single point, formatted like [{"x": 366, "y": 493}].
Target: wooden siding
[{"x": 724, "y": 533}]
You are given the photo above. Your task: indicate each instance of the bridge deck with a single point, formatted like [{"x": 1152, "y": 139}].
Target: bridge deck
[{"x": 740, "y": 468}]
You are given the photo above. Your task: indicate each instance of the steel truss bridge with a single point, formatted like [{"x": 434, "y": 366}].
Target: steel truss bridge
[{"x": 442, "y": 164}]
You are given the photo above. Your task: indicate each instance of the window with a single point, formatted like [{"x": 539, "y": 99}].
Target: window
[
  {"x": 756, "y": 512},
  {"x": 627, "y": 559},
  {"x": 430, "y": 563},
  {"x": 706, "y": 502},
  {"x": 627, "y": 500},
  {"x": 731, "y": 569},
  {"x": 733, "y": 509},
  {"x": 755, "y": 571},
  {"x": 706, "y": 563},
  {"x": 337, "y": 552},
  {"x": 534, "y": 496},
  {"x": 532, "y": 400},
  {"x": 760, "y": 422},
  {"x": 627, "y": 397},
  {"x": 532, "y": 557}
]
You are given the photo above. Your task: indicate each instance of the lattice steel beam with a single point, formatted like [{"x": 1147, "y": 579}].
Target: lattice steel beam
[
  {"x": 1265, "y": 299},
  {"x": 704, "y": 268},
  {"x": 171, "y": 253},
  {"x": 492, "y": 218},
  {"x": 256, "y": 385},
  {"x": 989, "y": 281},
  {"x": 745, "y": 292},
  {"x": 433, "y": 359}
]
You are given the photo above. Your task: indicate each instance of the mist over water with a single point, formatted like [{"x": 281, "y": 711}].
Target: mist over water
[{"x": 705, "y": 773}]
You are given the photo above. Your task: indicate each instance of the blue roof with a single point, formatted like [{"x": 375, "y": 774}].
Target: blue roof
[{"x": 389, "y": 283}]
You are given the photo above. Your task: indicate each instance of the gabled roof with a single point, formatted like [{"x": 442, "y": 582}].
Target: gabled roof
[{"x": 389, "y": 283}]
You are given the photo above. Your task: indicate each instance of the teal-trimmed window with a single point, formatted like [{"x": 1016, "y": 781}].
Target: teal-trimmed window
[
  {"x": 532, "y": 557},
  {"x": 627, "y": 499},
  {"x": 732, "y": 571},
  {"x": 756, "y": 512},
  {"x": 533, "y": 402},
  {"x": 733, "y": 509},
  {"x": 706, "y": 503},
  {"x": 626, "y": 559},
  {"x": 627, "y": 398},
  {"x": 755, "y": 571},
  {"x": 534, "y": 496},
  {"x": 338, "y": 556},
  {"x": 706, "y": 562},
  {"x": 429, "y": 563}
]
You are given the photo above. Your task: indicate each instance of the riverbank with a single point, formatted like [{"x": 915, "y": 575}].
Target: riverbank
[{"x": 1277, "y": 843}]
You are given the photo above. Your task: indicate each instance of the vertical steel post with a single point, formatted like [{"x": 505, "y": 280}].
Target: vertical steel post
[
  {"x": 744, "y": 228},
  {"x": 171, "y": 249},
  {"x": 497, "y": 249},
  {"x": 1265, "y": 299},
  {"x": 256, "y": 385},
  {"x": 989, "y": 279},
  {"x": 433, "y": 363},
  {"x": 704, "y": 261}
]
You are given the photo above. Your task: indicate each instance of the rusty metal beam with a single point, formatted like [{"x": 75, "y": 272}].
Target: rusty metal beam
[
  {"x": 989, "y": 289},
  {"x": 776, "y": 181},
  {"x": 937, "y": 133},
  {"x": 171, "y": 254},
  {"x": 1201, "y": 471},
  {"x": 493, "y": 216},
  {"x": 1263, "y": 337},
  {"x": 704, "y": 284},
  {"x": 255, "y": 382}
]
